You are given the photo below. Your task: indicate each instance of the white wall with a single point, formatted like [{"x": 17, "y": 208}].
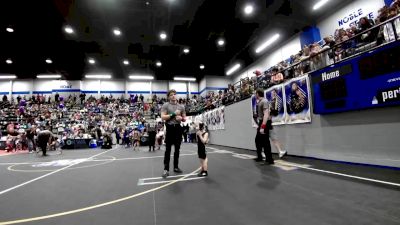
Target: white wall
[
  {"x": 180, "y": 88},
  {"x": 202, "y": 86},
  {"x": 349, "y": 14},
  {"x": 139, "y": 87},
  {"x": 65, "y": 88},
  {"x": 291, "y": 47},
  {"x": 22, "y": 87},
  {"x": 91, "y": 86},
  {"x": 5, "y": 89},
  {"x": 116, "y": 88},
  {"x": 43, "y": 86},
  {"x": 193, "y": 88},
  {"x": 332, "y": 137}
]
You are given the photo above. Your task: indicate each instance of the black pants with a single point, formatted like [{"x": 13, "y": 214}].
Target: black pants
[
  {"x": 262, "y": 141},
  {"x": 173, "y": 137},
  {"x": 152, "y": 139},
  {"x": 43, "y": 146}
]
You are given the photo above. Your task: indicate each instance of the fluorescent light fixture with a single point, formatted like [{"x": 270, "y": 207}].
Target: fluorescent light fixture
[
  {"x": 68, "y": 30},
  {"x": 201, "y": 66},
  {"x": 9, "y": 61},
  {"x": 48, "y": 76},
  {"x": 7, "y": 76},
  {"x": 49, "y": 61},
  {"x": 91, "y": 61},
  {"x": 163, "y": 35},
  {"x": 185, "y": 78},
  {"x": 141, "y": 77},
  {"x": 117, "y": 32},
  {"x": 126, "y": 62},
  {"x": 233, "y": 69},
  {"x": 98, "y": 76},
  {"x": 221, "y": 42},
  {"x": 186, "y": 50},
  {"x": 159, "y": 64},
  {"x": 319, "y": 4},
  {"x": 248, "y": 9},
  {"x": 267, "y": 43},
  {"x": 9, "y": 29}
]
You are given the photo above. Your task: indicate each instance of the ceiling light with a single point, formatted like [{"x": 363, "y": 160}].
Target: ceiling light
[
  {"x": 48, "y": 61},
  {"x": 159, "y": 64},
  {"x": 186, "y": 50},
  {"x": 221, "y": 42},
  {"x": 233, "y": 69},
  {"x": 47, "y": 76},
  {"x": 91, "y": 61},
  {"x": 9, "y": 61},
  {"x": 267, "y": 43},
  {"x": 68, "y": 30},
  {"x": 7, "y": 76},
  {"x": 117, "y": 32},
  {"x": 9, "y": 29},
  {"x": 98, "y": 76},
  {"x": 185, "y": 78},
  {"x": 141, "y": 77},
  {"x": 319, "y": 4},
  {"x": 126, "y": 62},
  {"x": 201, "y": 66},
  {"x": 163, "y": 35},
  {"x": 147, "y": 3},
  {"x": 248, "y": 9}
]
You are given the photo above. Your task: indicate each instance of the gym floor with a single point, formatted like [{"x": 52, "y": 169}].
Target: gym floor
[{"x": 122, "y": 186}]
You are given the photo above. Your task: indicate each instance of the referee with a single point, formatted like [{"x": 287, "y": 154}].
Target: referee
[
  {"x": 262, "y": 137},
  {"x": 172, "y": 113}
]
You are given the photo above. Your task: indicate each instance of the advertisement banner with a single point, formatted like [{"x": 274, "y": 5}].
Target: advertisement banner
[
  {"x": 297, "y": 98},
  {"x": 214, "y": 119},
  {"x": 275, "y": 96}
]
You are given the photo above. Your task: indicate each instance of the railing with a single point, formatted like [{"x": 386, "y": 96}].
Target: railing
[{"x": 374, "y": 37}]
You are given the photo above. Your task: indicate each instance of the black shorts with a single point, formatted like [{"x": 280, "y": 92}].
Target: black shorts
[{"x": 202, "y": 153}]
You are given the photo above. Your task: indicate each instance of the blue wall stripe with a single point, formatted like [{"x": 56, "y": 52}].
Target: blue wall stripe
[
  {"x": 4, "y": 93},
  {"x": 90, "y": 92},
  {"x": 181, "y": 92},
  {"x": 42, "y": 92},
  {"x": 160, "y": 92},
  {"x": 66, "y": 90},
  {"x": 138, "y": 92},
  {"x": 195, "y": 93},
  {"x": 112, "y": 92},
  {"x": 20, "y": 92}
]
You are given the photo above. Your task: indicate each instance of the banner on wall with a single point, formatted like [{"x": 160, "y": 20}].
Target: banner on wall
[
  {"x": 214, "y": 119},
  {"x": 276, "y": 96},
  {"x": 297, "y": 98}
]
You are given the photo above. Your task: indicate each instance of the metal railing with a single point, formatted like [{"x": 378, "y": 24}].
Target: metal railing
[{"x": 372, "y": 38}]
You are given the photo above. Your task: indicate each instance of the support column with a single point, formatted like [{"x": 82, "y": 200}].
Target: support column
[
  {"x": 98, "y": 91},
  {"x": 11, "y": 90}
]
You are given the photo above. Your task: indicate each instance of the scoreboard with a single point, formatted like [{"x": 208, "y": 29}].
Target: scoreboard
[{"x": 366, "y": 81}]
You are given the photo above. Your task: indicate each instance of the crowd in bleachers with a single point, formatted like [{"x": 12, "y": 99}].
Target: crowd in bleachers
[
  {"x": 98, "y": 119},
  {"x": 344, "y": 43}
]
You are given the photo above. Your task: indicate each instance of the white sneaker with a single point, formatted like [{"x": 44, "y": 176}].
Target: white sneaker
[{"x": 282, "y": 153}]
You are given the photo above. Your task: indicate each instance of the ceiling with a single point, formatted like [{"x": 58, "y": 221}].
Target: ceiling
[{"x": 196, "y": 24}]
